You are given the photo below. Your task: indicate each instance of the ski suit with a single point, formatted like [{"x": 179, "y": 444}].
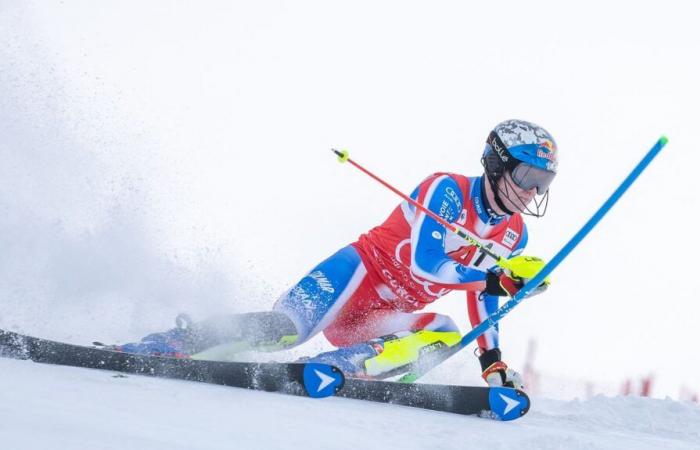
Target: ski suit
[{"x": 374, "y": 286}]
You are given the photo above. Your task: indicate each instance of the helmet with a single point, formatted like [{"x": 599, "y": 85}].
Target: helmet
[{"x": 525, "y": 150}]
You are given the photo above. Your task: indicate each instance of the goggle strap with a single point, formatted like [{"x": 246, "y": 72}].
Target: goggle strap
[{"x": 500, "y": 149}]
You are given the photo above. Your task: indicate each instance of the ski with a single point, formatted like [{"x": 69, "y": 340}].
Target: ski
[
  {"x": 499, "y": 403},
  {"x": 301, "y": 379}
]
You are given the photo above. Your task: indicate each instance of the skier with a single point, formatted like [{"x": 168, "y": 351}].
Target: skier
[{"x": 364, "y": 298}]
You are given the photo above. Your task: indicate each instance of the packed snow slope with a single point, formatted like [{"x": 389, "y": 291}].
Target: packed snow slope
[{"x": 53, "y": 407}]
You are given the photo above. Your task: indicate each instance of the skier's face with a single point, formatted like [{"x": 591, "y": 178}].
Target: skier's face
[{"x": 514, "y": 197}]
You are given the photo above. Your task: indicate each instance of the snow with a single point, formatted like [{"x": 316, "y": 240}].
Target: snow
[
  {"x": 65, "y": 408},
  {"x": 185, "y": 165},
  {"x": 160, "y": 157}
]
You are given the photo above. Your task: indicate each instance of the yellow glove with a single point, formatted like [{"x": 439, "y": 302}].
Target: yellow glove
[
  {"x": 517, "y": 271},
  {"x": 525, "y": 268}
]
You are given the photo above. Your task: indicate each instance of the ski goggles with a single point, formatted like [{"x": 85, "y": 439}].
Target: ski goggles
[{"x": 527, "y": 176}]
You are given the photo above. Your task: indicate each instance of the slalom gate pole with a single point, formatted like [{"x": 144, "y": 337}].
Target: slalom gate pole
[
  {"x": 343, "y": 156},
  {"x": 431, "y": 360}
]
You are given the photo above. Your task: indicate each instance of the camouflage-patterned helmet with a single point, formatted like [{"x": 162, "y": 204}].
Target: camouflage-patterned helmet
[{"x": 524, "y": 149}]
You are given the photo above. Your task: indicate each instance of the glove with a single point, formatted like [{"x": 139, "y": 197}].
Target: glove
[
  {"x": 520, "y": 270},
  {"x": 497, "y": 373}
]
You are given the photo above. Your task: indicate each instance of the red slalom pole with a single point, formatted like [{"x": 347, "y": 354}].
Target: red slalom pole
[{"x": 343, "y": 156}]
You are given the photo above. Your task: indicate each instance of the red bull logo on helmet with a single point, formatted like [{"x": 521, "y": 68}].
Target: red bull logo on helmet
[{"x": 546, "y": 150}]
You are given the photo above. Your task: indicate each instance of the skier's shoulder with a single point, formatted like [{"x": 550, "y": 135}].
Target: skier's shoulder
[
  {"x": 447, "y": 186},
  {"x": 456, "y": 177},
  {"x": 448, "y": 179}
]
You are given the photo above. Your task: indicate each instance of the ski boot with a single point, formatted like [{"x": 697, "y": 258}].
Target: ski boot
[
  {"x": 386, "y": 356},
  {"x": 174, "y": 343}
]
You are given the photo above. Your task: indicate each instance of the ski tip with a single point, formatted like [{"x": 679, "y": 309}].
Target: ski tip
[
  {"x": 322, "y": 380},
  {"x": 663, "y": 140},
  {"x": 508, "y": 403}
]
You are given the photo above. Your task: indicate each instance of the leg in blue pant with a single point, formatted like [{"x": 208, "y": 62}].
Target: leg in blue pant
[{"x": 303, "y": 311}]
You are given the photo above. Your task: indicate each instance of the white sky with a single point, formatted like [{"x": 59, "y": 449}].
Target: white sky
[{"x": 164, "y": 156}]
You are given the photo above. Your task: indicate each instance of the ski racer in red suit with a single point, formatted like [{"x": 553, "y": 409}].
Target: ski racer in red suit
[{"x": 365, "y": 298}]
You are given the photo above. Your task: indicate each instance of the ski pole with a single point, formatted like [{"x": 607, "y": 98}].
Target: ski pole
[
  {"x": 343, "y": 156},
  {"x": 431, "y": 360}
]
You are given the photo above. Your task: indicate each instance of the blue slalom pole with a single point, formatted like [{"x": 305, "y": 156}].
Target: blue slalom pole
[{"x": 431, "y": 361}]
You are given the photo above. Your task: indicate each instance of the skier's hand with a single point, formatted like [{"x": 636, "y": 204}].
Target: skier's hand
[
  {"x": 520, "y": 270},
  {"x": 500, "y": 375},
  {"x": 500, "y": 284},
  {"x": 497, "y": 373},
  {"x": 525, "y": 267}
]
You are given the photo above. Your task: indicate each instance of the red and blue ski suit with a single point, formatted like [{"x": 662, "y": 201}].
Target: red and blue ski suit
[{"x": 373, "y": 286}]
